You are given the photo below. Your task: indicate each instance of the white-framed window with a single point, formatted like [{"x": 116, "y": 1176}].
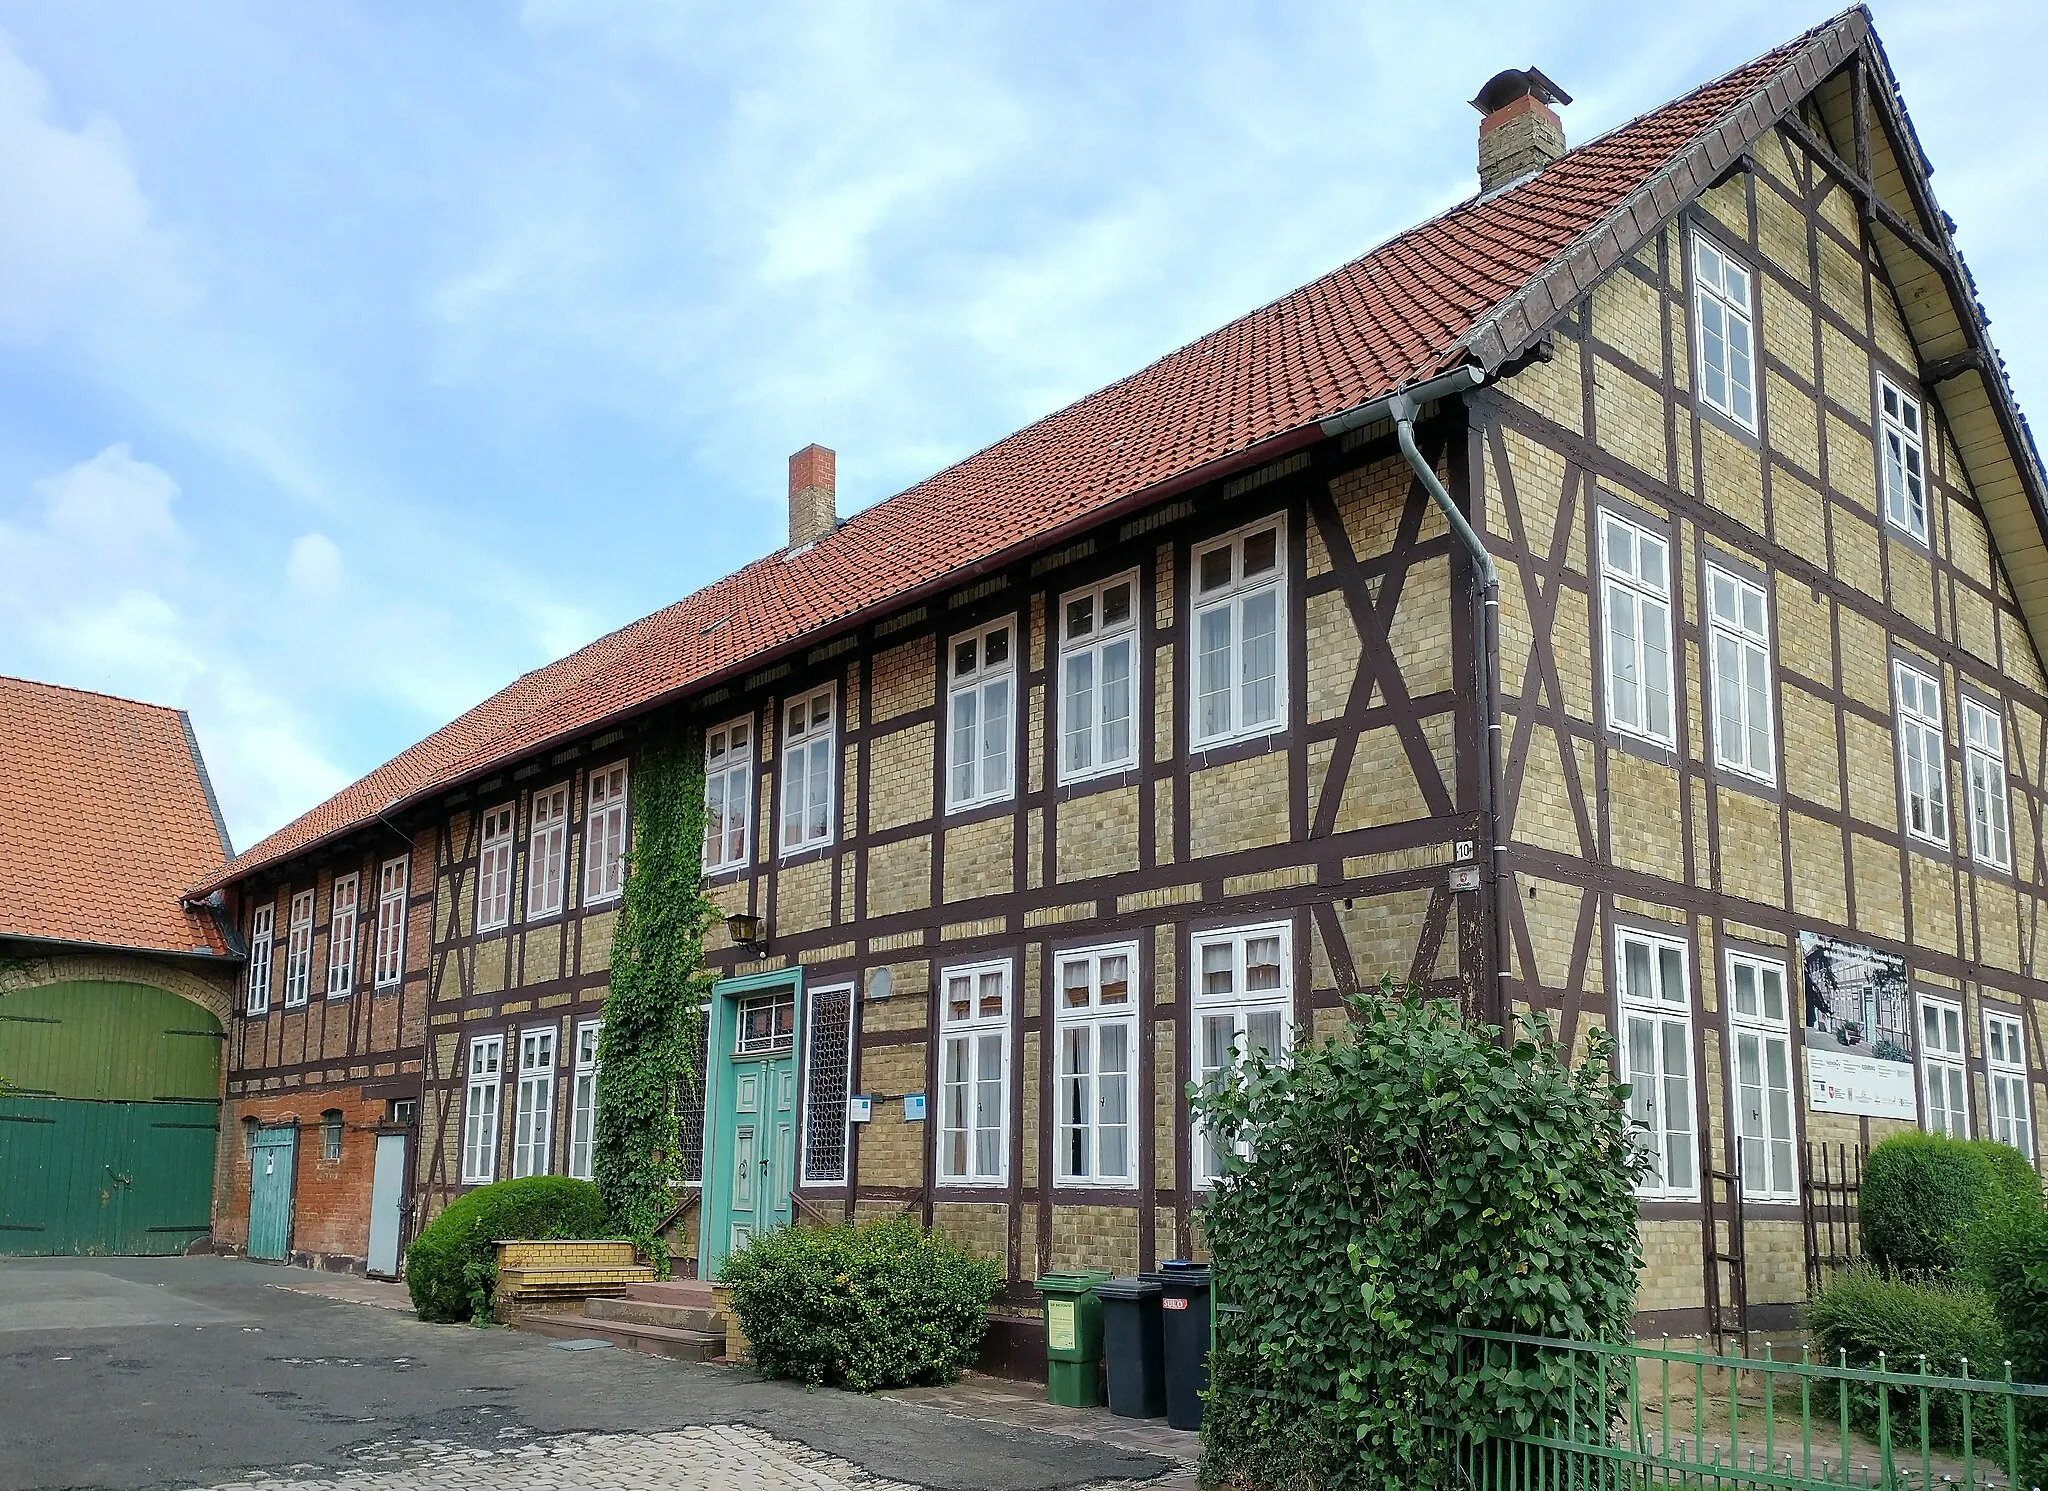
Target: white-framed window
[
  {"x": 388, "y": 967},
  {"x": 1739, "y": 619},
  {"x": 1944, "y": 1069},
  {"x": 1094, "y": 1142},
  {"x": 1923, "y": 757},
  {"x": 2005, "y": 1072},
  {"x": 298, "y": 957},
  {"x": 1984, "y": 774},
  {"x": 974, "y": 1075},
  {"x": 1099, "y": 678},
  {"x": 547, "y": 850},
  {"x": 480, "y": 1110},
  {"x": 1656, "y": 1058},
  {"x": 533, "y": 1115},
  {"x": 1727, "y": 341},
  {"x": 1901, "y": 457},
  {"x": 728, "y": 794},
  {"x": 1759, "y": 1025},
  {"x": 1243, "y": 1002},
  {"x": 1239, "y": 680},
  {"x": 979, "y": 716},
  {"x": 808, "y": 790},
  {"x": 828, "y": 1073},
  {"x": 341, "y": 935},
  {"x": 1635, "y": 585},
  {"x": 604, "y": 833},
  {"x": 262, "y": 935},
  {"x": 583, "y": 1102},
  {"x": 494, "y": 869}
]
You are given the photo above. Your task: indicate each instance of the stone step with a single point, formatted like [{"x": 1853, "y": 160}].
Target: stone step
[
  {"x": 694, "y": 1292},
  {"x": 630, "y": 1311},
  {"x": 655, "y": 1340}
]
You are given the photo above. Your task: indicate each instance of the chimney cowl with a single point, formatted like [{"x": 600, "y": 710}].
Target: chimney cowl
[
  {"x": 813, "y": 496},
  {"x": 1509, "y": 84},
  {"x": 1520, "y": 133}
]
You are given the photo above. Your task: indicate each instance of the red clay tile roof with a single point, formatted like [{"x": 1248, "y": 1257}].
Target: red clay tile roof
[
  {"x": 109, "y": 817},
  {"x": 1400, "y": 314}
]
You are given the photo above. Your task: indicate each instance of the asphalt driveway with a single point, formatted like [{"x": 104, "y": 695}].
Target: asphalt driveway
[{"x": 133, "y": 1373}]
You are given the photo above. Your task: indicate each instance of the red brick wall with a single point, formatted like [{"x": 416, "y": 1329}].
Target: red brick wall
[{"x": 330, "y": 1198}]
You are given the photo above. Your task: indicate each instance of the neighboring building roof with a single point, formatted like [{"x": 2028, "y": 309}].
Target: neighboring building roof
[
  {"x": 1477, "y": 284},
  {"x": 109, "y": 817}
]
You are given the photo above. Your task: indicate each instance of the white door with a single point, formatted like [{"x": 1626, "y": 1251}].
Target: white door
[{"x": 387, "y": 1196}]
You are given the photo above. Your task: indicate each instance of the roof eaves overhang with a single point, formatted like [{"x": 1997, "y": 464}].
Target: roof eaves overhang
[
  {"x": 1273, "y": 447},
  {"x": 190, "y": 955}
]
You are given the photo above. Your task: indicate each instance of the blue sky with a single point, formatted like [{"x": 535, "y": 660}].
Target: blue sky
[{"x": 355, "y": 359}]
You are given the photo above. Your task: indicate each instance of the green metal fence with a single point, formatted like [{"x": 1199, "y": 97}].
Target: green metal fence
[{"x": 1582, "y": 1416}]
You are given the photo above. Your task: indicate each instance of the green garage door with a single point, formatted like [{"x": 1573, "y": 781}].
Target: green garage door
[{"x": 108, "y": 1115}]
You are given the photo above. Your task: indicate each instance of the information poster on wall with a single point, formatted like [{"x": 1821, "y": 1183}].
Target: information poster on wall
[{"x": 1859, "y": 1033}]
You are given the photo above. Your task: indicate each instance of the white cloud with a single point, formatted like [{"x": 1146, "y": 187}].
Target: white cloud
[
  {"x": 77, "y": 226},
  {"x": 107, "y": 590},
  {"x": 314, "y": 567}
]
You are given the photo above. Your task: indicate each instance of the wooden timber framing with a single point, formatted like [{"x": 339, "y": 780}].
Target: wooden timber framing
[{"x": 1344, "y": 824}]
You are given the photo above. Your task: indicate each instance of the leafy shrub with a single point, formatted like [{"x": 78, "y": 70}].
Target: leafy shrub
[
  {"x": 884, "y": 1304},
  {"x": 1863, "y": 1315},
  {"x": 1413, "y": 1175},
  {"x": 2009, "y": 1260},
  {"x": 452, "y": 1267},
  {"x": 1922, "y": 1194}
]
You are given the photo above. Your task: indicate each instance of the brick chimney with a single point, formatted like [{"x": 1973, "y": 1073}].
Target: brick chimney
[
  {"x": 1518, "y": 132},
  {"x": 813, "y": 505}
]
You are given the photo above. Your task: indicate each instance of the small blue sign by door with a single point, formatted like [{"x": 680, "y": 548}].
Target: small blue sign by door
[{"x": 271, "y": 1160}]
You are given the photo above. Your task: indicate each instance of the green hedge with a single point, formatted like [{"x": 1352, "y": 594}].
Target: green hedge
[
  {"x": 1413, "y": 1175},
  {"x": 881, "y": 1305},
  {"x": 1923, "y": 1194},
  {"x": 452, "y": 1267}
]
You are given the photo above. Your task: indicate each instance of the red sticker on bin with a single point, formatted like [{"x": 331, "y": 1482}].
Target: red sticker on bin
[{"x": 1173, "y": 1304}]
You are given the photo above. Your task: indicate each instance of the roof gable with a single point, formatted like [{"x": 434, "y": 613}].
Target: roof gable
[
  {"x": 109, "y": 817},
  {"x": 1479, "y": 284}
]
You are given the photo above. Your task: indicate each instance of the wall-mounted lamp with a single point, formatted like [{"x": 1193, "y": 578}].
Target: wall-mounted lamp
[{"x": 747, "y": 932}]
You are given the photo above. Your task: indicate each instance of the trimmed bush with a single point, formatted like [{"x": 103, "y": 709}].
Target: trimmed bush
[
  {"x": 1922, "y": 1194},
  {"x": 452, "y": 1267},
  {"x": 884, "y": 1304},
  {"x": 1410, "y": 1176}
]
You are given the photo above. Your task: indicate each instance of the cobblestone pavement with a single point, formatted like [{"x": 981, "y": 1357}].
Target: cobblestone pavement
[
  {"x": 139, "y": 1374},
  {"x": 723, "y": 1457}
]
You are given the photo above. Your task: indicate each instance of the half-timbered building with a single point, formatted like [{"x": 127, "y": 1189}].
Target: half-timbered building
[{"x": 1617, "y": 597}]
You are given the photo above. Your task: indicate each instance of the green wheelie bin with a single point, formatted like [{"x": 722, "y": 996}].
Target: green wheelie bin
[{"x": 1073, "y": 1337}]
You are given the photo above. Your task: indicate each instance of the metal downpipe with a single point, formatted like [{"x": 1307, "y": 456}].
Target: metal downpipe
[{"x": 1402, "y": 408}]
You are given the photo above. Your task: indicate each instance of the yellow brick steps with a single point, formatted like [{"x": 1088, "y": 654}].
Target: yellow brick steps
[{"x": 534, "y": 1273}]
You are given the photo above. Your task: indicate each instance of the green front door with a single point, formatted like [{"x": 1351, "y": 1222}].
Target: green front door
[
  {"x": 750, "y": 1139},
  {"x": 108, "y": 1119}
]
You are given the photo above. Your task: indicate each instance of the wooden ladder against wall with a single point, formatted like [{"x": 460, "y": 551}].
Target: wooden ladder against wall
[
  {"x": 1829, "y": 1187},
  {"x": 1727, "y": 1307}
]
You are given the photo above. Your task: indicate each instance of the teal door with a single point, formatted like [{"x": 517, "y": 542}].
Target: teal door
[
  {"x": 271, "y": 1159},
  {"x": 750, "y": 1135}
]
